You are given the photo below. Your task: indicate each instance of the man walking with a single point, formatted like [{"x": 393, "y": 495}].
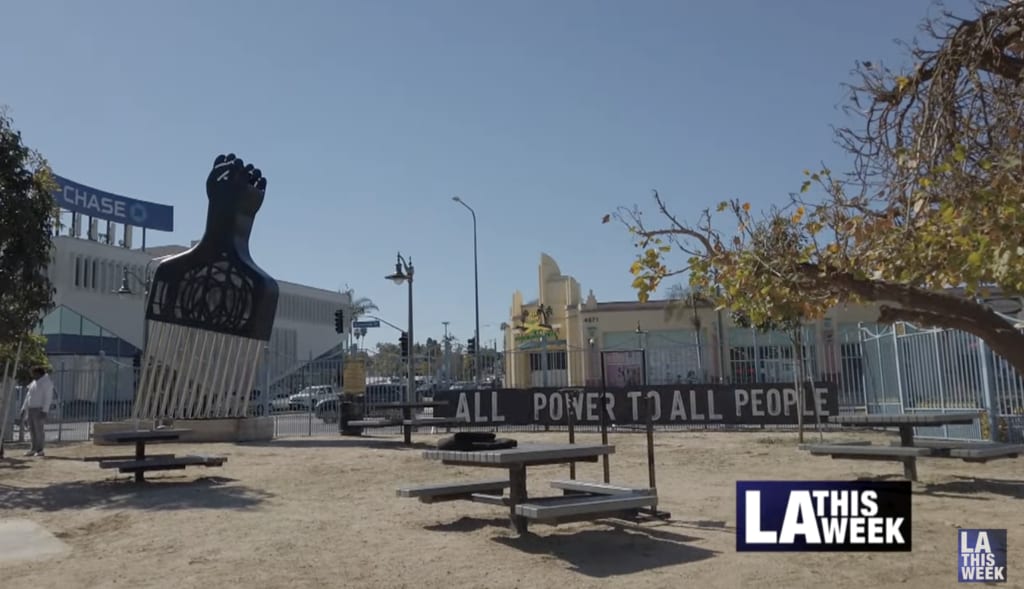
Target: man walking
[{"x": 37, "y": 403}]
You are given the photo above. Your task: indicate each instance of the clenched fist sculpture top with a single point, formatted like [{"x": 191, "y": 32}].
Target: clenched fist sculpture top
[{"x": 215, "y": 285}]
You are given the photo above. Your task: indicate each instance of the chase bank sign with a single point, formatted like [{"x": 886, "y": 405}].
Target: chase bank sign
[{"x": 86, "y": 200}]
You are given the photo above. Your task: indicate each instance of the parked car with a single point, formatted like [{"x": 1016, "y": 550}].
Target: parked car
[
  {"x": 308, "y": 397},
  {"x": 327, "y": 409},
  {"x": 279, "y": 402}
]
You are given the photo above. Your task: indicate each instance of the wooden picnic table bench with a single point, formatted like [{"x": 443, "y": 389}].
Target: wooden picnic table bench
[
  {"x": 408, "y": 420},
  {"x": 909, "y": 449},
  {"x": 122, "y": 457},
  {"x": 437, "y": 492},
  {"x": 409, "y": 405},
  {"x": 588, "y": 502},
  {"x": 140, "y": 462},
  {"x": 165, "y": 462},
  {"x": 570, "y": 508}
]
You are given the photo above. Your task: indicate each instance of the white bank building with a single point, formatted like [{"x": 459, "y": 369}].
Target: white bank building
[{"x": 97, "y": 326}]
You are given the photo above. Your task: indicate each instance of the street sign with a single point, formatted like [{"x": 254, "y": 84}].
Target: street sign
[{"x": 370, "y": 323}]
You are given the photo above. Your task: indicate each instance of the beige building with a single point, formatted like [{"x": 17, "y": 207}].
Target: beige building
[{"x": 557, "y": 339}]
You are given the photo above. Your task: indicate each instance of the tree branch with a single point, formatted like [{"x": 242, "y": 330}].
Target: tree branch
[
  {"x": 921, "y": 318},
  {"x": 938, "y": 309}
]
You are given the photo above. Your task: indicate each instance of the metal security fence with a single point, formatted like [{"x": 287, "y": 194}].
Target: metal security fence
[
  {"x": 876, "y": 369},
  {"x": 909, "y": 369}
]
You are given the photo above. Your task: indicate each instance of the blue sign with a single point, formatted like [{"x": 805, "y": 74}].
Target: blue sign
[
  {"x": 981, "y": 556},
  {"x": 86, "y": 200},
  {"x": 373, "y": 323}
]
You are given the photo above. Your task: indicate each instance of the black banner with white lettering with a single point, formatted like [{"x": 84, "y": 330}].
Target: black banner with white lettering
[{"x": 753, "y": 404}]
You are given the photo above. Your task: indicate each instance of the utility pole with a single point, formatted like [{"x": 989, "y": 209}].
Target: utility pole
[{"x": 447, "y": 353}]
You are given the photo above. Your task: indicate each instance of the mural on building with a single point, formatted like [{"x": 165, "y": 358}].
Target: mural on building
[{"x": 535, "y": 326}]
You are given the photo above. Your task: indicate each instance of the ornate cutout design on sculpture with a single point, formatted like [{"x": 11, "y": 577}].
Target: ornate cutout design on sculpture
[{"x": 220, "y": 295}]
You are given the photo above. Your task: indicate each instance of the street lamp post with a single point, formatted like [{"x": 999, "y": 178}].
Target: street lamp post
[
  {"x": 126, "y": 289},
  {"x": 476, "y": 295},
  {"x": 404, "y": 272}
]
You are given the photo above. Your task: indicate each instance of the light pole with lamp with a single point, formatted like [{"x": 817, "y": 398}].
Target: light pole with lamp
[
  {"x": 126, "y": 289},
  {"x": 404, "y": 272},
  {"x": 476, "y": 296}
]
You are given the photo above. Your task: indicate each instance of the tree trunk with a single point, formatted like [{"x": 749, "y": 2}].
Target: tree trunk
[
  {"x": 795, "y": 341},
  {"x": 926, "y": 308}
]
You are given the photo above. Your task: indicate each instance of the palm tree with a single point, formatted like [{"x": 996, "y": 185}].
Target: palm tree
[{"x": 360, "y": 306}]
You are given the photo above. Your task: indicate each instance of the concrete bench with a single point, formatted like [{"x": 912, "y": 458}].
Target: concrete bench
[
  {"x": 379, "y": 422},
  {"x": 585, "y": 507},
  {"x": 593, "y": 488},
  {"x": 908, "y": 455},
  {"x": 867, "y": 452},
  {"x": 433, "y": 421},
  {"x": 122, "y": 457},
  {"x": 936, "y": 443},
  {"x": 986, "y": 452},
  {"x": 838, "y": 444},
  {"x": 163, "y": 463},
  {"x": 969, "y": 451},
  {"x": 490, "y": 499},
  {"x": 434, "y": 493}
]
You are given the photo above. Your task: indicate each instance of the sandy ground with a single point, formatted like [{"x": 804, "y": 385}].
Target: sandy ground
[{"x": 322, "y": 512}]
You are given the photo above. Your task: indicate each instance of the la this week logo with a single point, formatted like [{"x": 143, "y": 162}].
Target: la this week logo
[
  {"x": 823, "y": 516},
  {"x": 981, "y": 556}
]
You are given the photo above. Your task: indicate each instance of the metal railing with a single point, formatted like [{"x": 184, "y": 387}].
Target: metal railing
[
  {"x": 908, "y": 369},
  {"x": 876, "y": 369}
]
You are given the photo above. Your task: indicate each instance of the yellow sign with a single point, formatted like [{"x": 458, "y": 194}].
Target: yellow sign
[
  {"x": 535, "y": 327},
  {"x": 355, "y": 376}
]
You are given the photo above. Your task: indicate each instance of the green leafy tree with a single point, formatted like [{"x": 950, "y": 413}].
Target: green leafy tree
[
  {"x": 387, "y": 361},
  {"x": 935, "y": 199},
  {"x": 26, "y": 236},
  {"x": 32, "y": 353}
]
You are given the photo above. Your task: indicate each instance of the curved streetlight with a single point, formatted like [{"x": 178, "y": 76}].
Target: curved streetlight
[
  {"x": 403, "y": 273},
  {"x": 126, "y": 290},
  {"x": 476, "y": 295}
]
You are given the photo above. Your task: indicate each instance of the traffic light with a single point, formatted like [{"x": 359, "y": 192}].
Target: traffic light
[
  {"x": 403, "y": 343},
  {"x": 339, "y": 321},
  {"x": 471, "y": 345}
]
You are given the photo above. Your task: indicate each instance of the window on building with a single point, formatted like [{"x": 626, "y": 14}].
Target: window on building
[
  {"x": 621, "y": 340},
  {"x": 767, "y": 356},
  {"x": 95, "y": 268},
  {"x": 555, "y": 361},
  {"x": 78, "y": 271}
]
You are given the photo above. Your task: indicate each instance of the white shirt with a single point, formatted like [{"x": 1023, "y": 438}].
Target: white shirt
[{"x": 39, "y": 395}]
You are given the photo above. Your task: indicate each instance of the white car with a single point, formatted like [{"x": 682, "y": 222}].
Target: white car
[{"x": 308, "y": 397}]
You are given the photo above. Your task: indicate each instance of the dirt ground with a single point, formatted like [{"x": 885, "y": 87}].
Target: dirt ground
[{"x": 322, "y": 512}]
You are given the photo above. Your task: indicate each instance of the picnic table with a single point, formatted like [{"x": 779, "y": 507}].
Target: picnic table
[
  {"x": 582, "y": 500},
  {"x": 909, "y": 448},
  {"x": 139, "y": 463},
  {"x": 408, "y": 420}
]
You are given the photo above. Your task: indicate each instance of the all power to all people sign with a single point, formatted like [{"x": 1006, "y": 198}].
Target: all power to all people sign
[{"x": 776, "y": 404}]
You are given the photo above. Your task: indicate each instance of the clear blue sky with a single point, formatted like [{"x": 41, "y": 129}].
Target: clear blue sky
[{"x": 368, "y": 116}]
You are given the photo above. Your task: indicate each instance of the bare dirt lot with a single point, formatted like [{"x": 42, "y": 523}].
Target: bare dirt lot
[{"x": 322, "y": 512}]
